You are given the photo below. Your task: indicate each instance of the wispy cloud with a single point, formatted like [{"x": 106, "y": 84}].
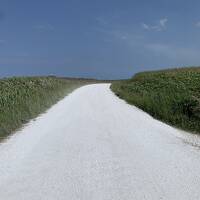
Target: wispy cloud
[
  {"x": 128, "y": 37},
  {"x": 159, "y": 26},
  {"x": 116, "y": 32},
  {"x": 197, "y": 24},
  {"x": 140, "y": 43},
  {"x": 109, "y": 19},
  {"x": 43, "y": 28},
  {"x": 145, "y": 26},
  {"x": 183, "y": 54},
  {"x": 163, "y": 22},
  {"x": 102, "y": 20}
]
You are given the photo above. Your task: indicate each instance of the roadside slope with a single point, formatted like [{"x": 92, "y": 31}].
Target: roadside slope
[
  {"x": 172, "y": 95},
  {"x": 92, "y": 145},
  {"x": 23, "y": 98}
]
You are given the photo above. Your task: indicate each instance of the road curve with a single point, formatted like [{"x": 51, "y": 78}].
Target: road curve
[{"x": 94, "y": 146}]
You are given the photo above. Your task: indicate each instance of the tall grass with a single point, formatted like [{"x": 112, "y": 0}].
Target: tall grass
[
  {"x": 22, "y": 99},
  {"x": 169, "y": 95}
]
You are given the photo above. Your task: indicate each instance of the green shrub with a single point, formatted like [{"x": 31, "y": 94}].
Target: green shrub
[
  {"x": 169, "y": 95},
  {"x": 22, "y": 99}
]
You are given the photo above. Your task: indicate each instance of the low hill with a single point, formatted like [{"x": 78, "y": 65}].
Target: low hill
[
  {"x": 23, "y": 98},
  {"x": 171, "y": 95}
]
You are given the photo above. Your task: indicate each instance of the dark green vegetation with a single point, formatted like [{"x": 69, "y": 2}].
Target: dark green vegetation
[
  {"x": 169, "y": 95},
  {"x": 22, "y": 99}
]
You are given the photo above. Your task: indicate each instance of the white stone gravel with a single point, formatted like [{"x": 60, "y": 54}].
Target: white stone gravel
[{"x": 94, "y": 146}]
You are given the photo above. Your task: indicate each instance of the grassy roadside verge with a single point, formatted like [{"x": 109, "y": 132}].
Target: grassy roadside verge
[
  {"x": 172, "y": 96},
  {"x": 22, "y": 99}
]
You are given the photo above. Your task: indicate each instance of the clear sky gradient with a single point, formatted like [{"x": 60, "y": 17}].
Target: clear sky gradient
[{"x": 97, "y": 38}]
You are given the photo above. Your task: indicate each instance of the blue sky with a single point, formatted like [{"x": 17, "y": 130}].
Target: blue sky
[{"x": 101, "y": 39}]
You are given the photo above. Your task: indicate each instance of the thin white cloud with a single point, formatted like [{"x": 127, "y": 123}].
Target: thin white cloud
[
  {"x": 198, "y": 24},
  {"x": 159, "y": 26},
  {"x": 124, "y": 37},
  {"x": 109, "y": 19},
  {"x": 171, "y": 53},
  {"x": 127, "y": 36},
  {"x": 163, "y": 22},
  {"x": 183, "y": 54},
  {"x": 145, "y": 26},
  {"x": 115, "y": 31},
  {"x": 102, "y": 20}
]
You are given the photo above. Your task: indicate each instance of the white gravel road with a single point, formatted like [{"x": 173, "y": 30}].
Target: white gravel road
[{"x": 94, "y": 146}]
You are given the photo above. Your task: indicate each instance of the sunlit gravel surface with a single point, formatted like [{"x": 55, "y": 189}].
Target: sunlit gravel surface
[{"x": 94, "y": 146}]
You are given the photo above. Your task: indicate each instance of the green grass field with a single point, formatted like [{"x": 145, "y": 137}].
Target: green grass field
[
  {"x": 172, "y": 96},
  {"x": 22, "y": 99}
]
